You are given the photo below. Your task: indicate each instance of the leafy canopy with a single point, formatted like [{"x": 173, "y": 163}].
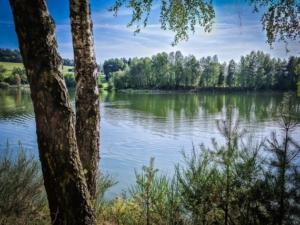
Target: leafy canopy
[
  {"x": 280, "y": 20},
  {"x": 179, "y": 16}
]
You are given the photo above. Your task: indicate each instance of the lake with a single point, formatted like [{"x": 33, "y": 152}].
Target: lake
[{"x": 137, "y": 126}]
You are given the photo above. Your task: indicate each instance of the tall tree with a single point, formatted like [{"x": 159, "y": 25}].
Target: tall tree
[
  {"x": 205, "y": 67},
  {"x": 137, "y": 73},
  {"x": 147, "y": 63},
  {"x": 221, "y": 78},
  {"x": 161, "y": 68},
  {"x": 67, "y": 191},
  {"x": 87, "y": 94},
  {"x": 113, "y": 65},
  {"x": 178, "y": 69},
  {"x": 215, "y": 70},
  {"x": 231, "y": 73},
  {"x": 243, "y": 71},
  {"x": 292, "y": 77},
  {"x": 191, "y": 72}
]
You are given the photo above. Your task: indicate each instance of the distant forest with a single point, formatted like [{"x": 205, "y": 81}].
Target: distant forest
[
  {"x": 8, "y": 55},
  {"x": 254, "y": 71}
]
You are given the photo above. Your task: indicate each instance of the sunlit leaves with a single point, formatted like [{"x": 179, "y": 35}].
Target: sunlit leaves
[
  {"x": 281, "y": 20},
  {"x": 179, "y": 16}
]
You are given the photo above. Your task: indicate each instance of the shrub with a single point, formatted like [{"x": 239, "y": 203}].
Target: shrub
[
  {"x": 4, "y": 85},
  {"x": 22, "y": 196},
  {"x": 282, "y": 179},
  {"x": 222, "y": 185},
  {"x": 110, "y": 85},
  {"x": 21, "y": 73},
  {"x": 2, "y": 72},
  {"x": 17, "y": 80},
  {"x": 70, "y": 79},
  {"x": 104, "y": 182}
]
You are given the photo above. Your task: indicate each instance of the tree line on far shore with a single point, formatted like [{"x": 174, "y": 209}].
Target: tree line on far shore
[
  {"x": 8, "y": 55},
  {"x": 255, "y": 71},
  {"x": 17, "y": 76}
]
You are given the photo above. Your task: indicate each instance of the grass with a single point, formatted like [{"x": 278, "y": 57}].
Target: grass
[
  {"x": 105, "y": 85},
  {"x": 66, "y": 68},
  {"x": 9, "y": 66}
]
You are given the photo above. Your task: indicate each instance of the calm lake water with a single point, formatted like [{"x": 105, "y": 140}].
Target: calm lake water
[{"x": 135, "y": 126}]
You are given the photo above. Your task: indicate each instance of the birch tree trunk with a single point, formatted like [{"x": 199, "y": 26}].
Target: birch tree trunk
[
  {"x": 87, "y": 95},
  {"x": 67, "y": 192}
]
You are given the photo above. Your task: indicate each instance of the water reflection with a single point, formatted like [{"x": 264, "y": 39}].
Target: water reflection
[
  {"x": 135, "y": 127},
  {"x": 250, "y": 107},
  {"x": 15, "y": 104}
]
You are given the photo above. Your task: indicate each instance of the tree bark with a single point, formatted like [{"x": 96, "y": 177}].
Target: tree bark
[
  {"x": 87, "y": 94},
  {"x": 67, "y": 192}
]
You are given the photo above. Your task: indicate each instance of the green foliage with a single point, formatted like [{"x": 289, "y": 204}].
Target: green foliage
[
  {"x": 110, "y": 85},
  {"x": 284, "y": 171},
  {"x": 229, "y": 184},
  {"x": 7, "y": 55},
  {"x": 2, "y": 73},
  {"x": 4, "y": 85},
  {"x": 195, "y": 181},
  {"x": 149, "y": 191},
  {"x": 121, "y": 210},
  {"x": 104, "y": 182},
  {"x": 161, "y": 70},
  {"x": 231, "y": 73},
  {"x": 222, "y": 185},
  {"x": 21, "y": 73},
  {"x": 155, "y": 200},
  {"x": 120, "y": 79},
  {"x": 255, "y": 71},
  {"x": 21, "y": 190},
  {"x": 112, "y": 65},
  {"x": 222, "y": 73},
  {"x": 17, "y": 80},
  {"x": 68, "y": 62},
  {"x": 69, "y": 79},
  {"x": 17, "y": 77},
  {"x": 281, "y": 20},
  {"x": 177, "y": 16}
]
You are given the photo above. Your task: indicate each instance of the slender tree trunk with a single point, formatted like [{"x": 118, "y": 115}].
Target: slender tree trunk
[
  {"x": 87, "y": 95},
  {"x": 67, "y": 192}
]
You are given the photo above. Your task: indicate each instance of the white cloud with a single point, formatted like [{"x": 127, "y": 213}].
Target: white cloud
[{"x": 228, "y": 39}]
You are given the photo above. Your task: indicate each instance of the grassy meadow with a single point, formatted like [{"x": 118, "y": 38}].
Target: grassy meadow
[
  {"x": 9, "y": 66},
  {"x": 66, "y": 68}
]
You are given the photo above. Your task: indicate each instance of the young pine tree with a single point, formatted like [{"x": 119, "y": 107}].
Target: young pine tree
[{"x": 283, "y": 176}]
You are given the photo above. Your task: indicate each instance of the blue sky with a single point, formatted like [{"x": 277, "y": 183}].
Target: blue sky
[{"x": 228, "y": 40}]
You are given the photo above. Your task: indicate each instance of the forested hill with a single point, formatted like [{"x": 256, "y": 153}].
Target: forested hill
[{"x": 8, "y": 55}]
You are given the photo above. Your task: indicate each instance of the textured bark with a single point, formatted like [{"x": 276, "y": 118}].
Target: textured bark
[
  {"x": 67, "y": 192},
  {"x": 87, "y": 95}
]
